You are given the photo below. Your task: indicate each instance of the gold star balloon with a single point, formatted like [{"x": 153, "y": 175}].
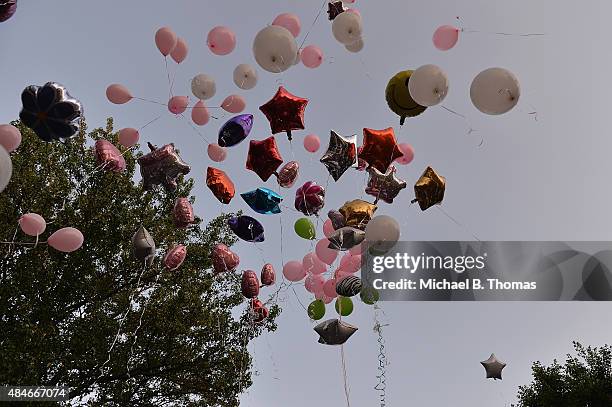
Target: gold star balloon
[
  {"x": 357, "y": 213},
  {"x": 429, "y": 189}
]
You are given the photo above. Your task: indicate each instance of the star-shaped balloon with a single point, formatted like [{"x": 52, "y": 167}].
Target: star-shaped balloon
[
  {"x": 340, "y": 155},
  {"x": 220, "y": 185},
  {"x": 334, "y": 332},
  {"x": 334, "y": 8},
  {"x": 162, "y": 166},
  {"x": 337, "y": 219},
  {"x": 380, "y": 148},
  {"x": 144, "y": 246},
  {"x": 346, "y": 238},
  {"x": 493, "y": 367},
  {"x": 235, "y": 130},
  {"x": 263, "y": 200},
  {"x": 285, "y": 112},
  {"x": 384, "y": 186},
  {"x": 247, "y": 228},
  {"x": 263, "y": 157},
  {"x": 358, "y": 213},
  {"x": 429, "y": 189}
]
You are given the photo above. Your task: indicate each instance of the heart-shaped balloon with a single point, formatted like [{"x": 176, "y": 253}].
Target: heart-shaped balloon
[
  {"x": 224, "y": 259},
  {"x": 288, "y": 174}
]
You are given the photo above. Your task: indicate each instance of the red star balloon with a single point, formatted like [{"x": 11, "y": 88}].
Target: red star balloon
[
  {"x": 285, "y": 112},
  {"x": 379, "y": 148},
  {"x": 264, "y": 157}
]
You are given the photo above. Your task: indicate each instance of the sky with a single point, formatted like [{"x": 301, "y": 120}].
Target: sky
[{"x": 514, "y": 178}]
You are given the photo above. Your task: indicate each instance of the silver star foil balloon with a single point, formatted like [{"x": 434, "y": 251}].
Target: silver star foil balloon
[
  {"x": 345, "y": 238},
  {"x": 493, "y": 367},
  {"x": 341, "y": 154},
  {"x": 334, "y": 332},
  {"x": 162, "y": 166},
  {"x": 384, "y": 186},
  {"x": 144, "y": 246}
]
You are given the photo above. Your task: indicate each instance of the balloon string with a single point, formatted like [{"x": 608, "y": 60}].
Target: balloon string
[
  {"x": 467, "y": 121},
  {"x": 469, "y": 31},
  {"x": 168, "y": 75},
  {"x": 313, "y": 24},
  {"x": 381, "y": 386},
  {"x": 345, "y": 377},
  {"x": 457, "y": 222},
  {"x": 195, "y": 129},
  {"x": 150, "y": 122},
  {"x": 150, "y": 101}
]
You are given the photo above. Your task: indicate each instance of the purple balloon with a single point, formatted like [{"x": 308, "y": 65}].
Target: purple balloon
[
  {"x": 235, "y": 130},
  {"x": 247, "y": 228},
  {"x": 7, "y": 9}
]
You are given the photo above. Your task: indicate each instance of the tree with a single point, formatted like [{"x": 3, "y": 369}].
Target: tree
[
  {"x": 181, "y": 342},
  {"x": 584, "y": 381}
]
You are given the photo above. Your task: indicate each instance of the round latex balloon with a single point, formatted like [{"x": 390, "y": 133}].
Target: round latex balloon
[
  {"x": 314, "y": 283},
  {"x": 328, "y": 228},
  {"x": 350, "y": 263},
  {"x": 66, "y": 240},
  {"x": 312, "y": 56},
  {"x": 316, "y": 310},
  {"x": 293, "y": 271},
  {"x": 321, "y": 296},
  {"x": 217, "y": 153},
  {"x": 495, "y": 91},
  {"x": 275, "y": 49},
  {"x": 118, "y": 94},
  {"x": 356, "y": 250},
  {"x": 356, "y": 46},
  {"x": 428, "y": 85},
  {"x": 407, "y": 154},
  {"x": 369, "y": 295},
  {"x": 347, "y": 28},
  {"x": 178, "y": 104},
  {"x": 312, "y": 265},
  {"x": 245, "y": 76},
  {"x": 165, "y": 39},
  {"x": 199, "y": 113},
  {"x": 10, "y": 137},
  {"x": 329, "y": 288},
  {"x": 344, "y": 306},
  {"x": 128, "y": 137},
  {"x": 305, "y": 229},
  {"x": 32, "y": 224},
  {"x": 233, "y": 104},
  {"x": 203, "y": 86},
  {"x": 382, "y": 232},
  {"x": 180, "y": 51},
  {"x": 446, "y": 37},
  {"x": 324, "y": 253},
  {"x": 290, "y": 21},
  {"x": 221, "y": 40},
  {"x": 6, "y": 168},
  {"x": 312, "y": 143}
]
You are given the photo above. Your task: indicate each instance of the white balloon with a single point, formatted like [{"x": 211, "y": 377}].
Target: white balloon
[
  {"x": 275, "y": 49},
  {"x": 382, "y": 233},
  {"x": 495, "y": 91},
  {"x": 347, "y": 28},
  {"x": 6, "y": 168},
  {"x": 245, "y": 76},
  {"x": 203, "y": 86},
  {"x": 428, "y": 85},
  {"x": 355, "y": 46}
]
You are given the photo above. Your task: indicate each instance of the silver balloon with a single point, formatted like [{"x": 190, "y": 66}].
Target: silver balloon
[
  {"x": 144, "y": 246},
  {"x": 334, "y": 332},
  {"x": 346, "y": 238},
  {"x": 6, "y": 168},
  {"x": 493, "y": 367}
]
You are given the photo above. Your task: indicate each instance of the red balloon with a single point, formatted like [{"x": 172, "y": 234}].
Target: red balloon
[
  {"x": 260, "y": 312},
  {"x": 250, "y": 284},
  {"x": 380, "y": 148},
  {"x": 268, "y": 275},
  {"x": 182, "y": 213},
  {"x": 108, "y": 156},
  {"x": 220, "y": 185},
  {"x": 223, "y": 259},
  {"x": 175, "y": 257},
  {"x": 285, "y": 112},
  {"x": 310, "y": 198},
  {"x": 288, "y": 174},
  {"x": 263, "y": 157}
]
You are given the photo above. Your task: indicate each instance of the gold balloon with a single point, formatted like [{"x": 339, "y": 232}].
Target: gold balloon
[
  {"x": 358, "y": 213},
  {"x": 429, "y": 189},
  {"x": 399, "y": 99}
]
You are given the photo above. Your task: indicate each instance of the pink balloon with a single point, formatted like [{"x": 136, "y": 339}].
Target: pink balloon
[
  {"x": 10, "y": 137},
  {"x": 314, "y": 283},
  {"x": 199, "y": 113},
  {"x": 166, "y": 40},
  {"x": 66, "y": 240},
  {"x": 446, "y": 37},
  {"x": 180, "y": 51},
  {"x": 233, "y": 104},
  {"x": 340, "y": 275},
  {"x": 312, "y": 56},
  {"x": 355, "y": 250},
  {"x": 217, "y": 153},
  {"x": 290, "y": 22},
  {"x": 128, "y": 137},
  {"x": 32, "y": 224},
  {"x": 293, "y": 271},
  {"x": 118, "y": 94},
  {"x": 407, "y": 154},
  {"x": 349, "y": 1},
  {"x": 350, "y": 263},
  {"x": 325, "y": 254},
  {"x": 313, "y": 265},
  {"x": 354, "y": 10},
  {"x": 175, "y": 257},
  {"x": 221, "y": 40},
  {"x": 329, "y": 288},
  {"x": 328, "y": 228},
  {"x": 178, "y": 104},
  {"x": 312, "y": 143},
  {"x": 321, "y": 296}
]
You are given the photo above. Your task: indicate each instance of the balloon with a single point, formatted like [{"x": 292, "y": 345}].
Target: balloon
[
  {"x": 337, "y": 220},
  {"x": 384, "y": 186},
  {"x": 199, "y": 113},
  {"x": 495, "y": 91},
  {"x": 50, "y": 111},
  {"x": 233, "y": 104},
  {"x": 347, "y": 28},
  {"x": 6, "y": 168},
  {"x": 341, "y": 154},
  {"x": 324, "y": 253},
  {"x": 358, "y": 213},
  {"x": 314, "y": 283},
  {"x": 263, "y": 157},
  {"x": 493, "y": 367},
  {"x": 216, "y": 153},
  {"x": 293, "y": 271},
  {"x": 380, "y": 148},
  {"x": 334, "y": 8},
  {"x": 144, "y": 246},
  {"x": 180, "y": 51},
  {"x": 312, "y": 265},
  {"x": 285, "y": 112},
  {"x": 334, "y": 332},
  {"x": 250, "y": 284},
  {"x": 356, "y": 46},
  {"x": 128, "y": 137},
  {"x": 275, "y": 49},
  {"x": 348, "y": 287},
  {"x": 429, "y": 189},
  {"x": 312, "y": 56},
  {"x": 66, "y": 240},
  {"x": 321, "y": 296},
  {"x": 382, "y": 233},
  {"x": 344, "y": 305},
  {"x": 340, "y": 275},
  {"x": 398, "y": 97},
  {"x": 290, "y": 21},
  {"x": 235, "y": 130},
  {"x": 369, "y": 295},
  {"x": 351, "y": 263},
  {"x": 329, "y": 288},
  {"x": 221, "y": 40},
  {"x": 428, "y": 85},
  {"x": 203, "y": 86},
  {"x": 356, "y": 250},
  {"x": 305, "y": 229},
  {"x": 32, "y": 224},
  {"x": 288, "y": 174},
  {"x": 407, "y": 154},
  {"x": 247, "y": 228},
  {"x": 220, "y": 184},
  {"x": 175, "y": 257},
  {"x": 259, "y": 311},
  {"x": 268, "y": 275},
  {"x": 7, "y": 9},
  {"x": 263, "y": 200},
  {"x": 328, "y": 228},
  {"x": 10, "y": 137},
  {"x": 312, "y": 143},
  {"x": 182, "y": 213},
  {"x": 108, "y": 156},
  {"x": 346, "y": 238},
  {"x": 316, "y": 310},
  {"x": 445, "y": 37},
  {"x": 178, "y": 104},
  {"x": 223, "y": 259},
  {"x": 166, "y": 40},
  {"x": 310, "y": 198},
  {"x": 162, "y": 166},
  {"x": 245, "y": 76}
]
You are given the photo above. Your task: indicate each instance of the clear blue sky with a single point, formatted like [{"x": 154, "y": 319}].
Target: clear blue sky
[{"x": 530, "y": 180}]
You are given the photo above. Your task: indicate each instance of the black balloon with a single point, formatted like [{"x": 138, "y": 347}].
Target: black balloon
[
  {"x": 235, "y": 130},
  {"x": 334, "y": 332},
  {"x": 247, "y": 228},
  {"x": 349, "y": 286},
  {"x": 337, "y": 219},
  {"x": 345, "y": 238},
  {"x": 341, "y": 154}
]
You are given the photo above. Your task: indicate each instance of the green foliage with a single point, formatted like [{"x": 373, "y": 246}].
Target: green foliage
[
  {"x": 584, "y": 381},
  {"x": 60, "y": 313}
]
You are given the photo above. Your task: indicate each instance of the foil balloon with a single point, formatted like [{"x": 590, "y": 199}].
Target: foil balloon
[
  {"x": 346, "y": 238},
  {"x": 429, "y": 189},
  {"x": 144, "y": 246},
  {"x": 247, "y": 228},
  {"x": 50, "y": 111},
  {"x": 175, "y": 257},
  {"x": 337, "y": 219},
  {"x": 263, "y": 157},
  {"x": 349, "y": 286},
  {"x": 493, "y": 367},
  {"x": 341, "y": 154},
  {"x": 285, "y": 112},
  {"x": 7, "y": 9},
  {"x": 310, "y": 198},
  {"x": 263, "y": 200},
  {"x": 162, "y": 166},
  {"x": 288, "y": 174},
  {"x": 108, "y": 156},
  {"x": 268, "y": 275},
  {"x": 399, "y": 99},
  {"x": 235, "y": 130},
  {"x": 259, "y": 311},
  {"x": 334, "y": 332},
  {"x": 380, "y": 148},
  {"x": 334, "y": 8},
  {"x": 220, "y": 184},
  {"x": 358, "y": 213},
  {"x": 384, "y": 186},
  {"x": 250, "y": 284},
  {"x": 182, "y": 213},
  {"x": 223, "y": 259}
]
